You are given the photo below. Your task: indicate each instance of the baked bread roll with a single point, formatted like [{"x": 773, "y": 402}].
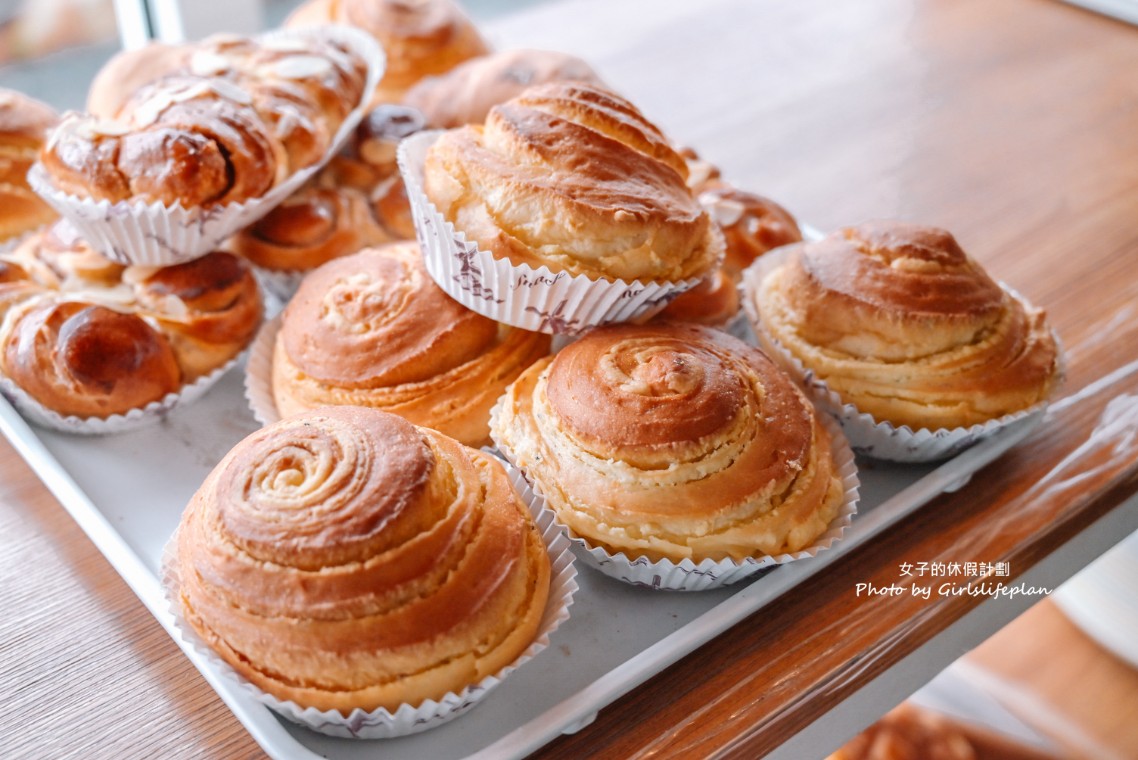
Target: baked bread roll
[
  {"x": 465, "y": 94},
  {"x": 128, "y": 71},
  {"x": 672, "y": 442},
  {"x": 606, "y": 185},
  {"x": 24, "y": 123},
  {"x": 87, "y": 360},
  {"x": 164, "y": 327},
  {"x": 373, "y": 329},
  {"x": 713, "y": 302},
  {"x": 355, "y": 202},
  {"x": 345, "y": 559},
  {"x": 751, "y": 224},
  {"x": 900, "y": 322},
  {"x": 420, "y": 37},
  {"x": 241, "y": 118}
]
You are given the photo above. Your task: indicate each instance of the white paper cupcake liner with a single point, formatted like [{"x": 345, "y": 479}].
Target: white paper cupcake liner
[
  {"x": 279, "y": 283},
  {"x": 519, "y": 295},
  {"x": 407, "y": 719},
  {"x": 687, "y": 575},
  {"x": 38, "y": 414},
  {"x": 152, "y": 234},
  {"x": 867, "y": 436},
  {"x": 259, "y": 373}
]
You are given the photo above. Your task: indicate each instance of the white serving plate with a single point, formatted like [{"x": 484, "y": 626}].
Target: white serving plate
[{"x": 127, "y": 492}]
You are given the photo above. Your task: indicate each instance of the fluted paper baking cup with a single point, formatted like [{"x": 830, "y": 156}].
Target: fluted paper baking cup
[
  {"x": 407, "y": 719},
  {"x": 281, "y": 284},
  {"x": 259, "y": 373},
  {"x": 539, "y": 299},
  {"x": 38, "y": 414},
  {"x": 687, "y": 575},
  {"x": 153, "y": 234},
  {"x": 867, "y": 436}
]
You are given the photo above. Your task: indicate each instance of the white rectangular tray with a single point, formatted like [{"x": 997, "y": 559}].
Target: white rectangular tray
[{"x": 127, "y": 493}]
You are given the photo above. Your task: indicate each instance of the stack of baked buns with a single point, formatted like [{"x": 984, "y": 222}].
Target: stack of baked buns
[
  {"x": 86, "y": 338},
  {"x": 904, "y": 337},
  {"x": 352, "y": 565}
]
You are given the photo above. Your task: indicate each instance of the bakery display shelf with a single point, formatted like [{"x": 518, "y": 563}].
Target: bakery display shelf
[{"x": 127, "y": 493}]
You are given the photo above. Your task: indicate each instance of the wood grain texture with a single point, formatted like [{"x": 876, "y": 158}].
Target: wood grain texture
[{"x": 1013, "y": 124}]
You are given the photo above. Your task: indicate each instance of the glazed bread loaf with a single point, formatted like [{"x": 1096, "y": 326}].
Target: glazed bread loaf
[
  {"x": 24, "y": 123},
  {"x": 373, "y": 329},
  {"x": 88, "y": 337},
  {"x": 346, "y": 559},
  {"x": 239, "y": 118},
  {"x": 902, "y": 324},
  {"x": 672, "y": 441},
  {"x": 573, "y": 177},
  {"x": 420, "y": 37},
  {"x": 465, "y": 94}
]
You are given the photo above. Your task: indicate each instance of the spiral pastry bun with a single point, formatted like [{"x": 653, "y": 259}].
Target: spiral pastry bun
[
  {"x": 672, "y": 441},
  {"x": 373, "y": 329},
  {"x": 421, "y": 37},
  {"x": 751, "y": 224},
  {"x": 608, "y": 188},
  {"x": 346, "y": 559},
  {"x": 899, "y": 322},
  {"x": 24, "y": 123},
  {"x": 466, "y": 93}
]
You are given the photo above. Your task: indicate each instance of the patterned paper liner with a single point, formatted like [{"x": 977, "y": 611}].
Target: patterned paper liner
[
  {"x": 867, "y": 436},
  {"x": 38, "y": 414},
  {"x": 152, "y": 234},
  {"x": 687, "y": 575},
  {"x": 407, "y": 719},
  {"x": 281, "y": 284},
  {"x": 259, "y": 373},
  {"x": 517, "y": 294}
]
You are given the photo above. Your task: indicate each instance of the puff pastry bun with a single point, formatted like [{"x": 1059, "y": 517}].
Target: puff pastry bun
[
  {"x": 88, "y": 337},
  {"x": 573, "y": 177},
  {"x": 900, "y": 322},
  {"x": 24, "y": 123},
  {"x": 672, "y": 441},
  {"x": 346, "y": 559},
  {"x": 420, "y": 37},
  {"x": 373, "y": 329},
  {"x": 465, "y": 94},
  {"x": 751, "y": 224}
]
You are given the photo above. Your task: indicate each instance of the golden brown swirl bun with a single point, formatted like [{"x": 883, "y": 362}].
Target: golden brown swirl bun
[
  {"x": 751, "y": 224},
  {"x": 420, "y": 37},
  {"x": 465, "y": 94},
  {"x": 128, "y": 70},
  {"x": 345, "y": 559},
  {"x": 24, "y": 123},
  {"x": 607, "y": 186},
  {"x": 373, "y": 329},
  {"x": 714, "y": 302},
  {"x": 672, "y": 441},
  {"x": 87, "y": 360},
  {"x": 900, "y": 322}
]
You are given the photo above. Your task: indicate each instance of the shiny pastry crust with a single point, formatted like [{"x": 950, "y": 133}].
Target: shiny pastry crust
[
  {"x": 24, "y": 122},
  {"x": 672, "y": 441},
  {"x": 421, "y": 37},
  {"x": 236, "y": 121},
  {"x": 128, "y": 71},
  {"x": 465, "y": 94},
  {"x": 200, "y": 315},
  {"x": 87, "y": 360},
  {"x": 713, "y": 302},
  {"x": 345, "y": 559},
  {"x": 751, "y": 224},
  {"x": 606, "y": 186},
  {"x": 373, "y": 329},
  {"x": 901, "y": 323}
]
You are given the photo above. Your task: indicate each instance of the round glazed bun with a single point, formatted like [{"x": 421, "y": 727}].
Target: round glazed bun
[
  {"x": 420, "y": 37},
  {"x": 373, "y": 329},
  {"x": 465, "y": 94},
  {"x": 346, "y": 559},
  {"x": 608, "y": 188},
  {"x": 672, "y": 441},
  {"x": 24, "y": 123},
  {"x": 902, "y": 324},
  {"x": 751, "y": 224}
]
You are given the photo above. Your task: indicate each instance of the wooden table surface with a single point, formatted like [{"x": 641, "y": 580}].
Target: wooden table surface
[{"x": 1013, "y": 124}]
